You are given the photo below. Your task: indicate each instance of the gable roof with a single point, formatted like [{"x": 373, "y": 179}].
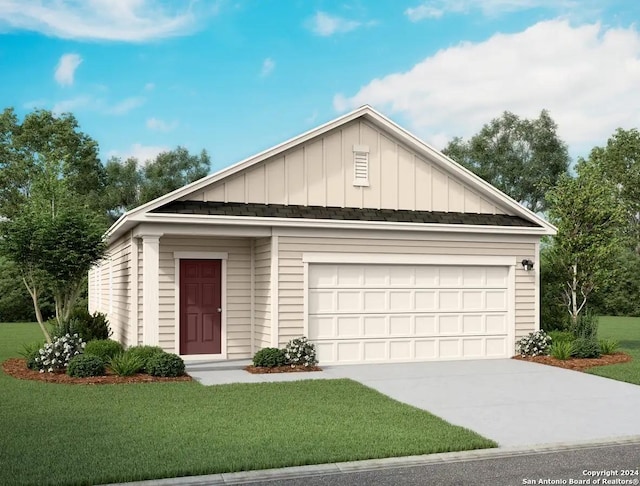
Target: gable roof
[{"x": 136, "y": 215}]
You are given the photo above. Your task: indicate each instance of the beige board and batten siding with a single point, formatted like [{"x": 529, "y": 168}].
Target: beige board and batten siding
[
  {"x": 238, "y": 287},
  {"x": 262, "y": 293},
  {"x": 291, "y": 268},
  {"x": 320, "y": 173}
]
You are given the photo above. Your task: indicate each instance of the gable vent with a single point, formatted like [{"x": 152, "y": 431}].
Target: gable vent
[{"x": 361, "y": 165}]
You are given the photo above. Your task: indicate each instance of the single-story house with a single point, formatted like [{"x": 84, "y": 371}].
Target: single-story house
[{"x": 356, "y": 234}]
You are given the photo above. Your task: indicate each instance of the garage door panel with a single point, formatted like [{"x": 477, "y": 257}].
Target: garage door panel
[
  {"x": 349, "y": 301},
  {"x": 473, "y": 300},
  {"x": 350, "y": 276},
  {"x": 449, "y": 324},
  {"x": 375, "y": 300},
  {"x": 496, "y": 324},
  {"x": 322, "y": 300},
  {"x": 349, "y": 326},
  {"x": 376, "y": 313},
  {"x": 375, "y": 326},
  {"x": 400, "y": 325},
  {"x": 496, "y": 300},
  {"x": 473, "y": 324},
  {"x": 449, "y": 300},
  {"x": 323, "y": 276},
  {"x": 400, "y": 301}
]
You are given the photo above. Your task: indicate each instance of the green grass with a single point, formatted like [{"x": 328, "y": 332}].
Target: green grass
[
  {"x": 625, "y": 330},
  {"x": 82, "y": 434}
]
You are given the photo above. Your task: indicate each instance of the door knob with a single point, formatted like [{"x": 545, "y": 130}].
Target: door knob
[{"x": 219, "y": 309}]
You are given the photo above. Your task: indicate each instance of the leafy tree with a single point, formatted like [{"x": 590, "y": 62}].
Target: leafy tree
[
  {"x": 50, "y": 202},
  {"x": 129, "y": 184},
  {"x": 47, "y": 153},
  {"x": 523, "y": 158},
  {"x": 590, "y": 218},
  {"x": 619, "y": 162},
  {"x": 123, "y": 186},
  {"x": 172, "y": 170}
]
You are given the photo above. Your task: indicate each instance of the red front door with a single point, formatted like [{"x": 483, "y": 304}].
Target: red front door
[{"x": 200, "y": 306}]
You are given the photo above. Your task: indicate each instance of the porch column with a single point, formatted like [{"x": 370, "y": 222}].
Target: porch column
[{"x": 150, "y": 289}]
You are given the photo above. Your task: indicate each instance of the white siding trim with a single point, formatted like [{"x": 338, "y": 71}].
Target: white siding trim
[
  {"x": 150, "y": 290},
  {"x": 305, "y": 298},
  {"x": 511, "y": 312},
  {"x": 408, "y": 259},
  {"x": 132, "y": 335},
  {"x": 275, "y": 278},
  {"x": 536, "y": 269},
  {"x": 252, "y": 270},
  {"x": 201, "y": 255}
]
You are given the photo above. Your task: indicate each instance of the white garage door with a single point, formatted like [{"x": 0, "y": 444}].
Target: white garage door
[{"x": 379, "y": 313}]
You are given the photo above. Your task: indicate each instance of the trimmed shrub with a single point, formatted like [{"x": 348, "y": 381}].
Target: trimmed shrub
[
  {"x": 300, "y": 351},
  {"x": 87, "y": 326},
  {"x": 105, "y": 349},
  {"x": 608, "y": 346},
  {"x": 584, "y": 347},
  {"x": 561, "y": 350},
  {"x": 55, "y": 356},
  {"x": 165, "y": 364},
  {"x": 269, "y": 358},
  {"x": 587, "y": 326},
  {"x": 85, "y": 365},
  {"x": 30, "y": 352},
  {"x": 533, "y": 344},
  {"x": 126, "y": 364},
  {"x": 561, "y": 337},
  {"x": 145, "y": 353}
]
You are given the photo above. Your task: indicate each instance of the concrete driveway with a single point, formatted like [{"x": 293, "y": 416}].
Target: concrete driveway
[{"x": 515, "y": 403}]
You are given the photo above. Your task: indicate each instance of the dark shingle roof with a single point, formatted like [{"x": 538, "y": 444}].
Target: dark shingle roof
[{"x": 353, "y": 214}]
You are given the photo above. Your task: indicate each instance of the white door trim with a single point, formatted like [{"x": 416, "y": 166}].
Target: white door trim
[{"x": 201, "y": 255}]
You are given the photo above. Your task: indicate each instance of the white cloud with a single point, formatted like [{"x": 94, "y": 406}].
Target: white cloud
[
  {"x": 149, "y": 86},
  {"x": 586, "y": 76},
  {"x": 433, "y": 9},
  {"x": 160, "y": 125},
  {"x": 268, "y": 65},
  {"x": 326, "y": 25},
  {"x": 113, "y": 20},
  {"x": 126, "y": 105},
  {"x": 144, "y": 153},
  {"x": 66, "y": 69},
  {"x": 74, "y": 104}
]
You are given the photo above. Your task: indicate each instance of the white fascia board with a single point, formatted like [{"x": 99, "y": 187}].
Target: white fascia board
[{"x": 337, "y": 224}]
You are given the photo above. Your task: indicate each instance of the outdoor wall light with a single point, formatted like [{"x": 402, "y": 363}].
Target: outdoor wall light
[{"x": 527, "y": 264}]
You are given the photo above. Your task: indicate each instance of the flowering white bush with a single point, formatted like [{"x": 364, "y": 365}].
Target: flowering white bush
[
  {"x": 534, "y": 344},
  {"x": 55, "y": 356},
  {"x": 300, "y": 351}
]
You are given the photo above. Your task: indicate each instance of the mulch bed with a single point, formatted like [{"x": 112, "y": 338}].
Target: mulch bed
[
  {"x": 281, "y": 369},
  {"x": 578, "y": 364},
  {"x": 17, "y": 367}
]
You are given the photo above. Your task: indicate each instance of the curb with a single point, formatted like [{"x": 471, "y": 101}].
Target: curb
[{"x": 296, "y": 472}]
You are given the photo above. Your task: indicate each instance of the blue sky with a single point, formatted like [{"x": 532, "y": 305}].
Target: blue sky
[{"x": 236, "y": 77}]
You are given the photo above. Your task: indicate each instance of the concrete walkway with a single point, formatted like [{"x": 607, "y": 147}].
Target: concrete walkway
[{"x": 515, "y": 403}]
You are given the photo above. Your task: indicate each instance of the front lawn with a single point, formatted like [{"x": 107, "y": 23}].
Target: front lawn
[
  {"x": 84, "y": 434},
  {"x": 625, "y": 330}
]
